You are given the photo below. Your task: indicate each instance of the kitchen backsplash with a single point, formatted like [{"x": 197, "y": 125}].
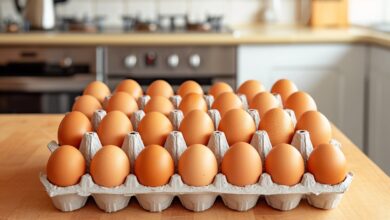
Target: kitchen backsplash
[{"x": 234, "y": 11}]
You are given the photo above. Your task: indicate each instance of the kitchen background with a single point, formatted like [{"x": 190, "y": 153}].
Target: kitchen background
[{"x": 235, "y": 12}]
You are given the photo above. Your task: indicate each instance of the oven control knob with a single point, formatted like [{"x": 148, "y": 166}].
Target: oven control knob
[
  {"x": 194, "y": 60},
  {"x": 130, "y": 61},
  {"x": 173, "y": 60},
  {"x": 66, "y": 62}
]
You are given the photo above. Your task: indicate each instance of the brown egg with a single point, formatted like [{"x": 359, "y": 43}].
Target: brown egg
[
  {"x": 97, "y": 89},
  {"x": 72, "y": 129},
  {"x": 241, "y": 164},
  {"x": 65, "y": 166},
  {"x": 278, "y": 125},
  {"x": 188, "y": 87},
  {"x": 159, "y": 104},
  {"x": 227, "y": 101},
  {"x": 300, "y": 102},
  {"x": 263, "y": 102},
  {"x": 130, "y": 86},
  {"x": 284, "y": 88},
  {"x": 318, "y": 127},
  {"x": 110, "y": 166},
  {"x": 87, "y": 105},
  {"x": 218, "y": 88},
  {"x": 192, "y": 101},
  {"x": 122, "y": 101},
  {"x": 113, "y": 128},
  {"x": 154, "y": 166},
  {"x": 154, "y": 128},
  {"x": 285, "y": 165},
  {"x": 328, "y": 164},
  {"x": 197, "y": 127},
  {"x": 238, "y": 126},
  {"x": 198, "y": 166},
  {"x": 250, "y": 88},
  {"x": 160, "y": 88}
]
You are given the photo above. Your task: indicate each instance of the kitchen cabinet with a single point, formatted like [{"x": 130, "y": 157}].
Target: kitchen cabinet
[
  {"x": 378, "y": 107},
  {"x": 332, "y": 73}
]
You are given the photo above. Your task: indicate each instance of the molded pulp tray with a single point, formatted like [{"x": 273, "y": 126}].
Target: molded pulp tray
[{"x": 156, "y": 199}]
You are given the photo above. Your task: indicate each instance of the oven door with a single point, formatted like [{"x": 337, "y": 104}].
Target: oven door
[
  {"x": 44, "y": 79},
  {"x": 19, "y": 102},
  {"x": 40, "y": 94}
]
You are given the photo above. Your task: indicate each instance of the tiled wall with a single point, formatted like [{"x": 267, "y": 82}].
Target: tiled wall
[{"x": 235, "y": 11}]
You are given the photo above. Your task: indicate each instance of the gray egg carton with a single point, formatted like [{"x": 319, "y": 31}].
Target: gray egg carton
[{"x": 156, "y": 199}]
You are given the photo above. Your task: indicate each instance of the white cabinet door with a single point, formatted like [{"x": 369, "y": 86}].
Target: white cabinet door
[
  {"x": 332, "y": 73},
  {"x": 379, "y": 108}
]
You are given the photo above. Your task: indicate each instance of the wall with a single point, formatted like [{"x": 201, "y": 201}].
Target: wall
[
  {"x": 363, "y": 12},
  {"x": 235, "y": 11},
  {"x": 366, "y": 12}
]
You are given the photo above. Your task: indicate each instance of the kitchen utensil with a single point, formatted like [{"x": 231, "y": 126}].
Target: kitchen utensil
[{"x": 39, "y": 13}]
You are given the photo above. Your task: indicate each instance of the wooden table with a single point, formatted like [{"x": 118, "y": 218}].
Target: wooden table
[{"x": 23, "y": 154}]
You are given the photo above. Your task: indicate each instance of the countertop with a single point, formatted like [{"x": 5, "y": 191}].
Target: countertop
[
  {"x": 23, "y": 154},
  {"x": 251, "y": 34}
]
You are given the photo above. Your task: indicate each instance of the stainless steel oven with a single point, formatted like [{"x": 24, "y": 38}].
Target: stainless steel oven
[{"x": 44, "y": 79}]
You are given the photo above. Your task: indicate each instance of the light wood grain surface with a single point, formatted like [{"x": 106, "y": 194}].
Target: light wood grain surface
[
  {"x": 23, "y": 154},
  {"x": 251, "y": 34}
]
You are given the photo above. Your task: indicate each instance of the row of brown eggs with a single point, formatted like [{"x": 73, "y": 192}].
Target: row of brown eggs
[
  {"x": 197, "y": 126},
  {"x": 126, "y": 93},
  {"x": 197, "y": 166}
]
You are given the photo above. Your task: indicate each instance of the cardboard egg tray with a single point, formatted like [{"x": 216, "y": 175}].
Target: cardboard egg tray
[{"x": 156, "y": 199}]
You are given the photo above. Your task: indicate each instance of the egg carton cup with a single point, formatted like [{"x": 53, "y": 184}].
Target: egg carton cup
[
  {"x": 279, "y": 98},
  {"x": 156, "y": 199}
]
